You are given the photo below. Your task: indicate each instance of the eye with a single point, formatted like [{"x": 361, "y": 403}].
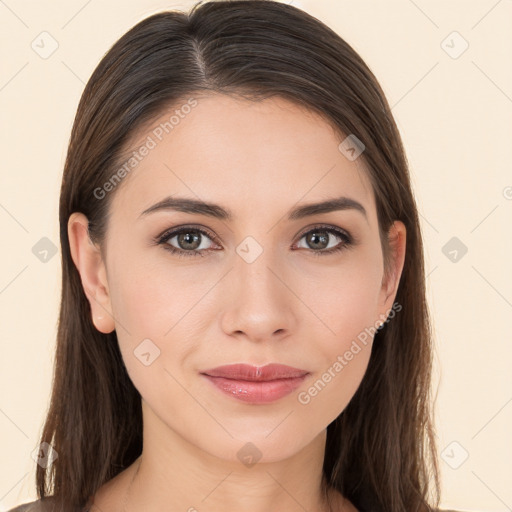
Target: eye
[
  {"x": 320, "y": 238},
  {"x": 188, "y": 241},
  {"x": 191, "y": 241}
]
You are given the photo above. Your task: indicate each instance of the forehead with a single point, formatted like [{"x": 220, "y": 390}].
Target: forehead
[{"x": 254, "y": 157}]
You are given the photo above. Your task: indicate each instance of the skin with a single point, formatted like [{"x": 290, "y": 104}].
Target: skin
[{"x": 288, "y": 306}]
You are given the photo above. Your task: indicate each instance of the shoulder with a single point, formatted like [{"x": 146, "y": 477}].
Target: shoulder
[
  {"x": 41, "y": 505},
  {"x": 35, "y": 506}
]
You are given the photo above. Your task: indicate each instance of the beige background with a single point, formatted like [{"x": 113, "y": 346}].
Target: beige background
[{"x": 455, "y": 118}]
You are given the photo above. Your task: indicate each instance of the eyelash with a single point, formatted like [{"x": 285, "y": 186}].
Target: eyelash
[{"x": 162, "y": 239}]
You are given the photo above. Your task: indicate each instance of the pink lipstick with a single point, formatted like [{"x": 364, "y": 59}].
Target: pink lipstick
[{"x": 256, "y": 385}]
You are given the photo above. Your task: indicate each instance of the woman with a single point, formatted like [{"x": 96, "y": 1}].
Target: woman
[{"x": 243, "y": 320}]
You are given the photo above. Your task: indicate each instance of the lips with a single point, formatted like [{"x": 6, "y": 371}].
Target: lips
[
  {"x": 256, "y": 385},
  {"x": 256, "y": 374}
]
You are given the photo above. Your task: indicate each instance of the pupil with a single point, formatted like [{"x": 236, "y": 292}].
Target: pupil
[
  {"x": 322, "y": 239},
  {"x": 187, "y": 238}
]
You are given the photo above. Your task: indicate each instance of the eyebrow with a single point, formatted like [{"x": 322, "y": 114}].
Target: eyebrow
[{"x": 193, "y": 206}]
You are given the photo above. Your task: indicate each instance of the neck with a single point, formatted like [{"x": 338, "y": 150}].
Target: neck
[{"x": 173, "y": 473}]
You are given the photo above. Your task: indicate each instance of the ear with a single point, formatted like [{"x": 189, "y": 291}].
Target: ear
[
  {"x": 391, "y": 279},
  {"x": 89, "y": 262}
]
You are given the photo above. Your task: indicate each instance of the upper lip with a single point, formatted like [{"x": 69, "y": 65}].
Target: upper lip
[{"x": 254, "y": 373}]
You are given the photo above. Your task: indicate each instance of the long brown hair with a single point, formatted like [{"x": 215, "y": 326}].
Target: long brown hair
[{"x": 380, "y": 451}]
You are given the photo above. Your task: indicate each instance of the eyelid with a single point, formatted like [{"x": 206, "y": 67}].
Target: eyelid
[
  {"x": 348, "y": 239},
  {"x": 178, "y": 229},
  {"x": 327, "y": 227}
]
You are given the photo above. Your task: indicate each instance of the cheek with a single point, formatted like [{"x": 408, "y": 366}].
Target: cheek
[
  {"x": 330, "y": 391},
  {"x": 351, "y": 320},
  {"x": 343, "y": 351},
  {"x": 346, "y": 296},
  {"x": 346, "y": 301},
  {"x": 151, "y": 317},
  {"x": 151, "y": 301},
  {"x": 149, "y": 296}
]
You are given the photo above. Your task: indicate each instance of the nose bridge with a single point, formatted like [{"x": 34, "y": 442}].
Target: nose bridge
[
  {"x": 256, "y": 266},
  {"x": 260, "y": 303}
]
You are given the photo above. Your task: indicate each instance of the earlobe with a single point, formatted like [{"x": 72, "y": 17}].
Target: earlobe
[{"x": 91, "y": 267}]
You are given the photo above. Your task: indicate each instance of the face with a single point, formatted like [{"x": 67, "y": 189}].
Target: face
[{"x": 260, "y": 286}]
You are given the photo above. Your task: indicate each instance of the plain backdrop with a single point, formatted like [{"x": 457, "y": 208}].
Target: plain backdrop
[{"x": 445, "y": 68}]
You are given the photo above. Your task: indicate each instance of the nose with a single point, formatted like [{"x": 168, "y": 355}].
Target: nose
[{"x": 261, "y": 305}]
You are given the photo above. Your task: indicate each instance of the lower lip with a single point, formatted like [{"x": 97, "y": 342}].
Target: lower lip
[{"x": 256, "y": 392}]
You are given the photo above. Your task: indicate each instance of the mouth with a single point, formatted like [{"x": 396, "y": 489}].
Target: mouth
[{"x": 256, "y": 385}]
